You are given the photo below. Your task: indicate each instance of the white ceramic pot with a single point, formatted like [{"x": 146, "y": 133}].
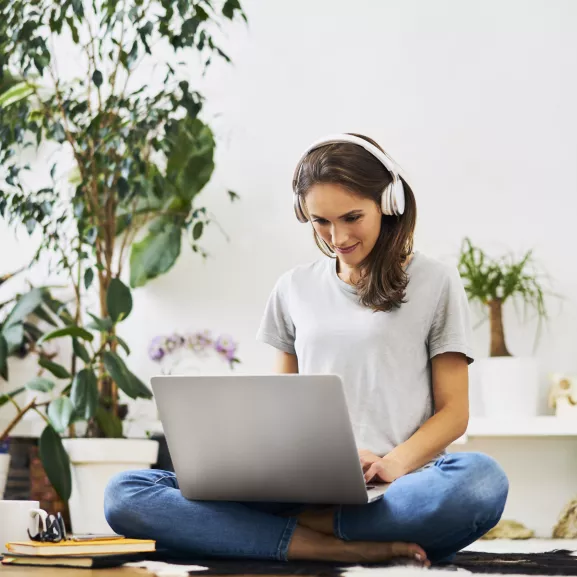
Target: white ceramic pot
[
  {"x": 510, "y": 387},
  {"x": 4, "y": 466},
  {"x": 94, "y": 462}
]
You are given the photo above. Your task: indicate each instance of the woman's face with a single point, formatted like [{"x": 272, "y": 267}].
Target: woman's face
[{"x": 348, "y": 223}]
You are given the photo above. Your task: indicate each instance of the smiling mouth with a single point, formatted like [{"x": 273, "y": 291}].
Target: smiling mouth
[{"x": 346, "y": 250}]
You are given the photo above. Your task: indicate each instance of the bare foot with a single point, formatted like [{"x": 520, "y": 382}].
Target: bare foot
[{"x": 308, "y": 544}]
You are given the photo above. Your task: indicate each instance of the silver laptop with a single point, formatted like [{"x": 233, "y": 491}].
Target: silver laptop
[{"x": 280, "y": 438}]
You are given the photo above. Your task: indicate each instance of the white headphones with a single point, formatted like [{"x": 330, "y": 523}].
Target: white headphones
[{"x": 393, "y": 197}]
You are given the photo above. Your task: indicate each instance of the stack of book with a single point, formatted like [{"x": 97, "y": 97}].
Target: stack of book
[{"x": 91, "y": 554}]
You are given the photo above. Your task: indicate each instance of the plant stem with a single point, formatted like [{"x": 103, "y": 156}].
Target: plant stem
[
  {"x": 16, "y": 419},
  {"x": 498, "y": 346}
]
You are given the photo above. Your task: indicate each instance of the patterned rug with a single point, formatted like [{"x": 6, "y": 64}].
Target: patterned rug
[{"x": 557, "y": 562}]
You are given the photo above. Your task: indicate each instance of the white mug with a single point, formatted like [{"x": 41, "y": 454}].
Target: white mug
[{"x": 14, "y": 521}]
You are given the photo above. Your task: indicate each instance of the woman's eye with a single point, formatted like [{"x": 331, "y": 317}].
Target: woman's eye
[
  {"x": 352, "y": 218},
  {"x": 321, "y": 221}
]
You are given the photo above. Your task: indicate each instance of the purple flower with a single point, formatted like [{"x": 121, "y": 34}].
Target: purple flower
[
  {"x": 225, "y": 345},
  {"x": 198, "y": 342},
  {"x": 156, "y": 348}
]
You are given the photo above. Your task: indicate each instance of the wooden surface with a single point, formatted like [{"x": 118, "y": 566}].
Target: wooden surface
[
  {"x": 9, "y": 571},
  {"x": 6, "y": 571}
]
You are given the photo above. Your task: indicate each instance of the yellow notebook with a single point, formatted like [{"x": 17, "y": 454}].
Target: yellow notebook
[{"x": 100, "y": 547}]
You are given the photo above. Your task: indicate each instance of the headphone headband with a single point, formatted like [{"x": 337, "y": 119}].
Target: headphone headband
[{"x": 393, "y": 197}]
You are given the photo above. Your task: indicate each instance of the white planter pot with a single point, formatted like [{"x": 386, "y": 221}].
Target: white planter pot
[
  {"x": 510, "y": 387},
  {"x": 94, "y": 462},
  {"x": 4, "y": 466}
]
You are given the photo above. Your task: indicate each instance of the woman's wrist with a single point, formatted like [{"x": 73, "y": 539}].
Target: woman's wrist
[{"x": 395, "y": 466}]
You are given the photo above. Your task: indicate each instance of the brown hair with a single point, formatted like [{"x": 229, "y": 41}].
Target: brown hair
[{"x": 383, "y": 280}]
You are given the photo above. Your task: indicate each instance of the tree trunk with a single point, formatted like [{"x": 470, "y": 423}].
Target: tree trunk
[
  {"x": 498, "y": 346},
  {"x": 107, "y": 390}
]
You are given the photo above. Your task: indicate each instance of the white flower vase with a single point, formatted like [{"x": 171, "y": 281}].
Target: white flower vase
[{"x": 187, "y": 362}]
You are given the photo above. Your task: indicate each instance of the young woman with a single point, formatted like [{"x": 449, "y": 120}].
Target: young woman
[{"x": 394, "y": 324}]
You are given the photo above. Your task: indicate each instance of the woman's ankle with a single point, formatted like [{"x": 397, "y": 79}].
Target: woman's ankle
[{"x": 307, "y": 544}]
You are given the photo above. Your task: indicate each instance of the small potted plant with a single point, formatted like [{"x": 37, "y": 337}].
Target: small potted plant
[{"x": 510, "y": 385}]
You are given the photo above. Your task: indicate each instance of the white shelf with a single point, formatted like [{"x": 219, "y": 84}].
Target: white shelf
[{"x": 543, "y": 426}]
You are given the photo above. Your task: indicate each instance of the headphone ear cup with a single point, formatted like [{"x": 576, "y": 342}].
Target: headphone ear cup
[
  {"x": 399, "y": 197},
  {"x": 300, "y": 214},
  {"x": 385, "y": 200}
]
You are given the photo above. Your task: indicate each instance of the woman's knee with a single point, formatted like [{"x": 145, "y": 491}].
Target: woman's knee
[
  {"x": 123, "y": 495},
  {"x": 486, "y": 485}
]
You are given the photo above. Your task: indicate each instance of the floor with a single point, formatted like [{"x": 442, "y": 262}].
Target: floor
[{"x": 531, "y": 545}]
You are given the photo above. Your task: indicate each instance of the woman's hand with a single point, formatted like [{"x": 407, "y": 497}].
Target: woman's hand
[
  {"x": 367, "y": 459},
  {"x": 384, "y": 469}
]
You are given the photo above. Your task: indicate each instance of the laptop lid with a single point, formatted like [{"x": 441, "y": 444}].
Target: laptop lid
[{"x": 260, "y": 438}]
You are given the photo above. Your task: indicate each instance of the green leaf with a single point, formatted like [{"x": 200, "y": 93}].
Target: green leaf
[
  {"x": 197, "y": 230},
  {"x": 16, "y": 93},
  {"x": 84, "y": 393},
  {"x": 88, "y": 278},
  {"x": 118, "y": 300},
  {"x": 233, "y": 196},
  {"x": 123, "y": 188},
  {"x": 40, "y": 384},
  {"x": 14, "y": 335},
  {"x": 97, "y": 78},
  {"x": 57, "y": 370},
  {"x": 59, "y": 309},
  {"x": 73, "y": 30},
  {"x": 102, "y": 325},
  {"x": 72, "y": 331},
  {"x": 126, "y": 381},
  {"x": 56, "y": 462},
  {"x": 60, "y": 413},
  {"x": 110, "y": 424},
  {"x": 142, "y": 391},
  {"x": 3, "y": 358},
  {"x": 230, "y": 7},
  {"x": 155, "y": 254},
  {"x": 119, "y": 373},
  {"x": 123, "y": 344},
  {"x": 80, "y": 350},
  {"x": 26, "y": 305},
  {"x": 5, "y": 398},
  {"x": 190, "y": 157},
  {"x": 41, "y": 313}
]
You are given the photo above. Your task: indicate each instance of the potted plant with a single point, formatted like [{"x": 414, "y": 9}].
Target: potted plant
[
  {"x": 131, "y": 158},
  {"x": 510, "y": 385},
  {"x": 20, "y": 331}
]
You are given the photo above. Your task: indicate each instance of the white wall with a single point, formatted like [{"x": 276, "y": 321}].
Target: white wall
[{"x": 475, "y": 99}]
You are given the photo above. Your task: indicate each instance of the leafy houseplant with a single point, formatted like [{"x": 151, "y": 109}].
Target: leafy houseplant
[
  {"x": 140, "y": 156},
  {"x": 20, "y": 335},
  {"x": 492, "y": 281},
  {"x": 509, "y": 384}
]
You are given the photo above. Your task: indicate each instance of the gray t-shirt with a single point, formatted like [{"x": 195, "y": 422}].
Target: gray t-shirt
[{"x": 382, "y": 358}]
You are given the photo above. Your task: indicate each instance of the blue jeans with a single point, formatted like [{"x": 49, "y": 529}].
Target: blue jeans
[{"x": 443, "y": 508}]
